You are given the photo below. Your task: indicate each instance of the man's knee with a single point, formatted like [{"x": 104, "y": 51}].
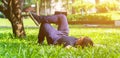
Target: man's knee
[{"x": 62, "y": 16}]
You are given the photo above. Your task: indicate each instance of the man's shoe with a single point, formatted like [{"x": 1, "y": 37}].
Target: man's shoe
[{"x": 35, "y": 18}]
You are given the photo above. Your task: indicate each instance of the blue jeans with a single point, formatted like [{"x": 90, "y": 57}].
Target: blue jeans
[
  {"x": 60, "y": 20},
  {"x": 54, "y": 36},
  {"x": 51, "y": 33}
]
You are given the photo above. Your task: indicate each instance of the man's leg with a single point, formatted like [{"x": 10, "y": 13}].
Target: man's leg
[
  {"x": 63, "y": 24},
  {"x": 41, "y": 19},
  {"x": 51, "y": 34},
  {"x": 37, "y": 19},
  {"x": 60, "y": 19},
  {"x": 41, "y": 34}
]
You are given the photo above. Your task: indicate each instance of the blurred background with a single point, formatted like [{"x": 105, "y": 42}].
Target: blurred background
[{"x": 77, "y": 11}]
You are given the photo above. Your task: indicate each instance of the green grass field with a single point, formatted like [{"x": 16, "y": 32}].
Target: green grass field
[
  {"x": 11, "y": 47},
  {"x": 108, "y": 38},
  {"x": 27, "y": 22}
]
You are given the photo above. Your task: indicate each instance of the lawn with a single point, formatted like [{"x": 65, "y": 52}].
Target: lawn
[
  {"x": 27, "y": 22},
  {"x": 11, "y": 47},
  {"x": 108, "y": 38}
]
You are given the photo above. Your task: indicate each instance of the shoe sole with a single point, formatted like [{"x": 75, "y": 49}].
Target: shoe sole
[{"x": 30, "y": 14}]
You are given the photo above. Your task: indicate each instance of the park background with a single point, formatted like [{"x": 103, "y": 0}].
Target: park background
[{"x": 97, "y": 19}]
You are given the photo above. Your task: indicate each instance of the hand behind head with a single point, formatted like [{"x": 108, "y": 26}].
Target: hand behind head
[{"x": 83, "y": 42}]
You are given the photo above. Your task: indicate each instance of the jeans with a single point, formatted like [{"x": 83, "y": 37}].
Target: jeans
[
  {"x": 47, "y": 30},
  {"x": 54, "y": 36},
  {"x": 59, "y": 19},
  {"x": 50, "y": 32}
]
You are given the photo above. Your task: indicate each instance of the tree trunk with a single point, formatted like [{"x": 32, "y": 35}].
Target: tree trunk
[
  {"x": 37, "y": 7},
  {"x": 16, "y": 18},
  {"x": 97, "y": 1},
  {"x": 17, "y": 28},
  {"x": 12, "y": 9},
  {"x": 73, "y": 9},
  {"x": 45, "y": 7}
]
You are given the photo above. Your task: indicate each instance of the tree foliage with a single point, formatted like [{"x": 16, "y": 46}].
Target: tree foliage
[
  {"x": 81, "y": 4},
  {"x": 108, "y": 6}
]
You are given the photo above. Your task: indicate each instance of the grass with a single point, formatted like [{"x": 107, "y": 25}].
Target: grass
[
  {"x": 11, "y": 47},
  {"x": 27, "y": 22}
]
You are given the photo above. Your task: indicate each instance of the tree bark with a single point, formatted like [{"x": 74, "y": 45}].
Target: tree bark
[
  {"x": 37, "y": 7},
  {"x": 73, "y": 11},
  {"x": 12, "y": 9},
  {"x": 16, "y": 18}
]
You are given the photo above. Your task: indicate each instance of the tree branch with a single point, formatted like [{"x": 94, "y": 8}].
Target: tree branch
[
  {"x": 4, "y": 7},
  {"x": 5, "y": 2},
  {"x": 1, "y": 8}
]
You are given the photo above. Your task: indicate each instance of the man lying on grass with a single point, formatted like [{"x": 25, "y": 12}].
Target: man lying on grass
[{"x": 59, "y": 36}]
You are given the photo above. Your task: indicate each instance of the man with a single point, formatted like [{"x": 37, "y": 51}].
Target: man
[
  {"x": 59, "y": 36},
  {"x": 54, "y": 37}
]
